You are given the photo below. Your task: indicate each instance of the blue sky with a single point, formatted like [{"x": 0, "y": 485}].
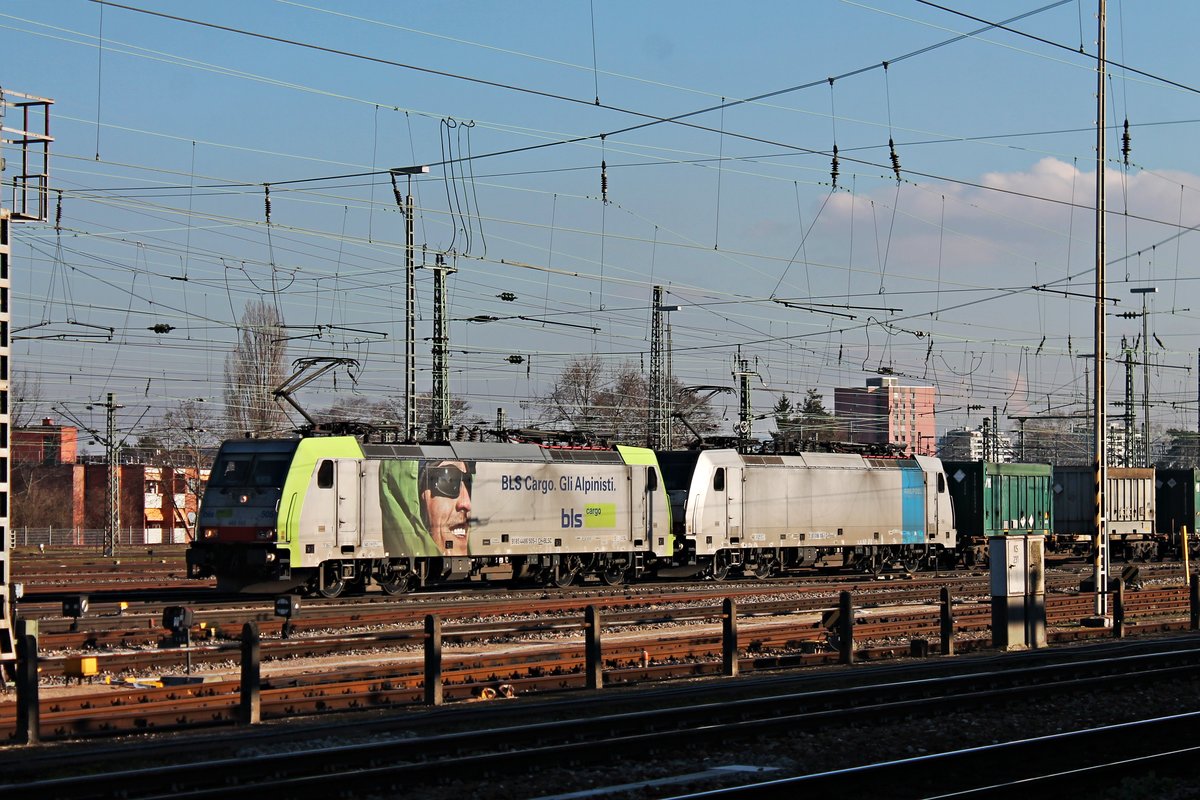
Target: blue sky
[{"x": 167, "y": 130}]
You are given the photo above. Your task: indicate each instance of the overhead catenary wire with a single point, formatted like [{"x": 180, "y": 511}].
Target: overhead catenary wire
[
  {"x": 342, "y": 241},
  {"x": 654, "y": 120}
]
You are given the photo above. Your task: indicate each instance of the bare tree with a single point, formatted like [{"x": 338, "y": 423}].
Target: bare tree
[
  {"x": 390, "y": 411},
  {"x": 255, "y": 368},
  {"x": 458, "y": 412},
  {"x": 1052, "y": 441},
  {"x": 358, "y": 408},
  {"x": 191, "y": 432},
  {"x": 41, "y": 496},
  {"x": 614, "y": 405},
  {"x": 583, "y": 399},
  {"x": 1182, "y": 449},
  {"x": 27, "y": 400}
]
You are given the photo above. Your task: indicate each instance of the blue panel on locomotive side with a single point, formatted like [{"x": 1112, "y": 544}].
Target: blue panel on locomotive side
[{"x": 912, "y": 499}]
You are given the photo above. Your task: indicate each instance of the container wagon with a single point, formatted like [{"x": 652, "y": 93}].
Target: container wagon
[
  {"x": 1176, "y": 494},
  {"x": 997, "y": 499},
  {"x": 1130, "y": 505}
]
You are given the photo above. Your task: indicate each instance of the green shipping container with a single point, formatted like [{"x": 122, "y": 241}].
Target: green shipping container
[
  {"x": 1176, "y": 498},
  {"x": 993, "y": 499}
]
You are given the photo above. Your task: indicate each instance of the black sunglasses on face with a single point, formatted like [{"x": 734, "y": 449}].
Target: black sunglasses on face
[{"x": 447, "y": 480}]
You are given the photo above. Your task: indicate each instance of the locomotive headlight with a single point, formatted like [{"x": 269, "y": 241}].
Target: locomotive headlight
[
  {"x": 266, "y": 534},
  {"x": 270, "y": 557},
  {"x": 209, "y": 533},
  {"x": 243, "y": 499}
]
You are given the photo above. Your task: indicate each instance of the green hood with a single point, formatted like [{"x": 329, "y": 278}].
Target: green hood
[{"x": 404, "y": 530}]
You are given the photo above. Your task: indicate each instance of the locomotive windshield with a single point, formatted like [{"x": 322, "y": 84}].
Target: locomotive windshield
[{"x": 249, "y": 469}]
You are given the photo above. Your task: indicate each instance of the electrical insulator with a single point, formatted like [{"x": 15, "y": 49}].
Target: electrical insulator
[
  {"x": 895, "y": 158},
  {"x": 603, "y": 182},
  {"x": 516, "y": 359},
  {"x": 508, "y": 297},
  {"x": 267, "y": 201},
  {"x": 161, "y": 327},
  {"x": 1125, "y": 143},
  {"x": 396, "y": 191},
  {"x": 833, "y": 172},
  {"x": 58, "y": 211}
]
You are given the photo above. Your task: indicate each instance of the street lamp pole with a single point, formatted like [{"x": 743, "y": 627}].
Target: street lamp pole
[
  {"x": 1143, "y": 291},
  {"x": 410, "y": 308}
]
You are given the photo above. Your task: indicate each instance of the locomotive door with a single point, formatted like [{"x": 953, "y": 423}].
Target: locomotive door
[
  {"x": 347, "y": 488},
  {"x": 641, "y": 509},
  {"x": 733, "y": 504}
]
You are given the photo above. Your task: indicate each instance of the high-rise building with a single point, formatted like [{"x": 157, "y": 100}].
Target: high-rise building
[{"x": 884, "y": 412}]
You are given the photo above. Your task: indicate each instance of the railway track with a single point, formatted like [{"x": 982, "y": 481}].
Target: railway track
[
  {"x": 398, "y": 626},
  {"x": 1068, "y": 763},
  {"x": 233, "y": 610},
  {"x": 535, "y": 655},
  {"x": 778, "y": 726}
]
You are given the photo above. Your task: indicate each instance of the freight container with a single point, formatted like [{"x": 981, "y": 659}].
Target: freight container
[
  {"x": 1176, "y": 495},
  {"x": 994, "y": 499},
  {"x": 1129, "y": 502}
]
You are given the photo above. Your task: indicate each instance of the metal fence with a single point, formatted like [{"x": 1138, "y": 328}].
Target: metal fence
[{"x": 94, "y": 537}]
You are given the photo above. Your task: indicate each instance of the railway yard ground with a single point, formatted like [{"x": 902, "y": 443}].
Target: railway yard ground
[{"x": 343, "y": 711}]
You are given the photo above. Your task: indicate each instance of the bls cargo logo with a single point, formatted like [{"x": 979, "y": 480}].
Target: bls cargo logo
[{"x": 594, "y": 515}]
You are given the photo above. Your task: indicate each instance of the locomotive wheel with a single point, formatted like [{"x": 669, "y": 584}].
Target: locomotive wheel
[
  {"x": 910, "y": 562},
  {"x": 395, "y": 583},
  {"x": 719, "y": 570},
  {"x": 335, "y": 585},
  {"x": 332, "y": 590},
  {"x": 872, "y": 564},
  {"x": 764, "y": 569},
  {"x": 563, "y": 573},
  {"x": 613, "y": 575}
]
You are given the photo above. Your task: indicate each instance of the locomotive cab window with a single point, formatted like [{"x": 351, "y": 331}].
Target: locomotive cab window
[
  {"x": 651, "y": 480},
  {"x": 941, "y": 483},
  {"x": 270, "y": 470},
  {"x": 325, "y": 475},
  {"x": 719, "y": 480},
  {"x": 231, "y": 471}
]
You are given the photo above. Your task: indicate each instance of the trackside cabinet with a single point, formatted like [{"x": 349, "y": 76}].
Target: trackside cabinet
[{"x": 1018, "y": 580}]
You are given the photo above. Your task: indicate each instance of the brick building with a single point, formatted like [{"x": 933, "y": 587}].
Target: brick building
[
  {"x": 45, "y": 444},
  {"x": 52, "y": 489}
]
